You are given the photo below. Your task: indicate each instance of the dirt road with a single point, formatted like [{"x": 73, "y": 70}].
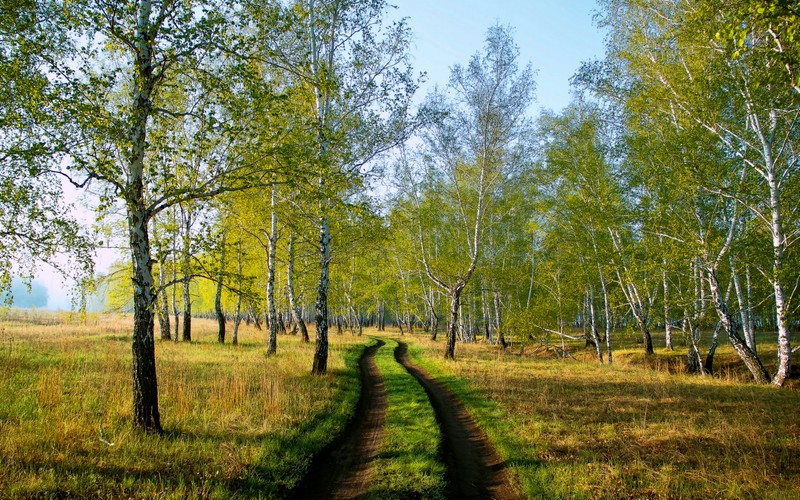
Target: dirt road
[
  {"x": 342, "y": 469},
  {"x": 474, "y": 469}
]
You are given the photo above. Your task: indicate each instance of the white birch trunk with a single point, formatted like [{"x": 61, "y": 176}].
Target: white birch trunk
[
  {"x": 187, "y": 275},
  {"x": 218, "y": 295},
  {"x": 145, "y": 387},
  {"x": 238, "y": 318},
  {"x": 296, "y": 314},
  {"x": 272, "y": 344}
]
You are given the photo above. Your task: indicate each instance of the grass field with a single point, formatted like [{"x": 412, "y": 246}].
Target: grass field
[
  {"x": 236, "y": 422},
  {"x": 575, "y": 429},
  {"x": 239, "y": 424}
]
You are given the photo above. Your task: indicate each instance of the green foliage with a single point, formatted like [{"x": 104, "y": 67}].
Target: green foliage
[{"x": 35, "y": 223}]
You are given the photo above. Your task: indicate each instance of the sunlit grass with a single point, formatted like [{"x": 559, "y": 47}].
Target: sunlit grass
[
  {"x": 578, "y": 429},
  {"x": 236, "y": 422},
  {"x": 408, "y": 464}
]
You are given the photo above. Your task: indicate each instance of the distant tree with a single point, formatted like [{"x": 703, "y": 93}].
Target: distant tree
[{"x": 357, "y": 86}]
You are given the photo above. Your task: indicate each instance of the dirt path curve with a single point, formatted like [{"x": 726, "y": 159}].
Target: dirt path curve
[
  {"x": 341, "y": 470},
  {"x": 474, "y": 470}
]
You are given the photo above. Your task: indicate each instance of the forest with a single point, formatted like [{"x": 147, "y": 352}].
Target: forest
[{"x": 269, "y": 167}]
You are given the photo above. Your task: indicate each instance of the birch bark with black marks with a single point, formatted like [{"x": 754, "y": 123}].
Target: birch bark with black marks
[
  {"x": 238, "y": 314},
  {"x": 296, "y": 313},
  {"x": 272, "y": 244},
  {"x": 593, "y": 320},
  {"x": 146, "y": 414},
  {"x": 163, "y": 309},
  {"x": 186, "y": 219},
  {"x": 218, "y": 295},
  {"x": 175, "y": 311}
]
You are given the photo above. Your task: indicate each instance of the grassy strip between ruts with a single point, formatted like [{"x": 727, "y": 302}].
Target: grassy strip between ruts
[
  {"x": 238, "y": 424},
  {"x": 408, "y": 464},
  {"x": 582, "y": 430}
]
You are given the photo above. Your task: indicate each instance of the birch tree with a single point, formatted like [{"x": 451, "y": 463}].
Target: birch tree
[
  {"x": 355, "y": 72},
  {"x": 127, "y": 56},
  {"x": 477, "y": 144},
  {"x": 679, "y": 49}
]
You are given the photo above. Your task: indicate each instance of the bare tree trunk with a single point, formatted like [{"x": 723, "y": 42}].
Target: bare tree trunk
[
  {"x": 750, "y": 319},
  {"x": 187, "y": 275},
  {"x": 238, "y": 318},
  {"x": 163, "y": 311},
  {"x": 607, "y": 312},
  {"x": 488, "y": 329},
  {"x": 452, "y": 327},
  {"x": 634, "y": 298},
  {"x": 593, "y": 320},
  {"x": 694, "y": 357},
  {"x": 175, "y": 311},
  {"x": 379, "y": 314},
  {"x": 498, "y": 319},
  {"x": 218, "y": 296},
  {"x": 751, "y": 359},
  {"x": 667, "y": 324},
  {"x": 743, "y": 309},
  {"x": 145, "y": 387},
  {"x": 356, "y": 321},
  {"x": 434, "y": 317},
  {"x": 321, "y": 346},
  {"x": 709, "y": 365},
  {"x": 779, "y": 247}
]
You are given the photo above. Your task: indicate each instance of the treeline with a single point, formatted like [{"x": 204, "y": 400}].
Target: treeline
[
  {"x": 664, "y": 197},
  {"x": 233, "y": 147}
]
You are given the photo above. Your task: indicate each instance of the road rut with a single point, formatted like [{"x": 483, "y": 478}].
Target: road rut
[
  {"x": 341, "y": 470},
  {"x": 474, "y": 470}
]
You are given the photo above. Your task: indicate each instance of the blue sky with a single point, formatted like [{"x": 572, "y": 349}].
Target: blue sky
[{"x": 554, "y": 36}]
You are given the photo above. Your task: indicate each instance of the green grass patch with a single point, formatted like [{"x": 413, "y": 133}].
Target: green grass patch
[
  {"x": 408, "y": 464},
  {"x": 288, "y": 453},
  {"x": 582, "y": 430}
]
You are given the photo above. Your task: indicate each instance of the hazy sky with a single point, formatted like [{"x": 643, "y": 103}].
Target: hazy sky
[{"x": 554, "y": 36}]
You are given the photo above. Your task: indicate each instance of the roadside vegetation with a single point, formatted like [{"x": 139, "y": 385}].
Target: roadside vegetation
[
  {"x": 236, "y": 422},
  {"x": 574, "y": 429},
  {"x": 241, "y": 424},
  {"x": 409, "y": 463}
]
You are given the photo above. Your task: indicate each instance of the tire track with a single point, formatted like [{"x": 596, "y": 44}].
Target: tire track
[
  {"x": 341, "y": 470},
  {"x": 474, "y": 470}
]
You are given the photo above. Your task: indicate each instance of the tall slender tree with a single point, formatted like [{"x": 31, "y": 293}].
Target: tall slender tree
[{"x": 475, "y": 146}]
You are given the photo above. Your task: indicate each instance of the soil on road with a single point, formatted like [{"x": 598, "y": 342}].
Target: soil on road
[
  {"x": 474, "y": 470},
  {"x": 342, "y": 469}
]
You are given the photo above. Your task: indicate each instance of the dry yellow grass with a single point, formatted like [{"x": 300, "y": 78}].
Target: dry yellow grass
[
  {"x": 65, "y": 410},
  {"x": 579, "y": 429}
]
